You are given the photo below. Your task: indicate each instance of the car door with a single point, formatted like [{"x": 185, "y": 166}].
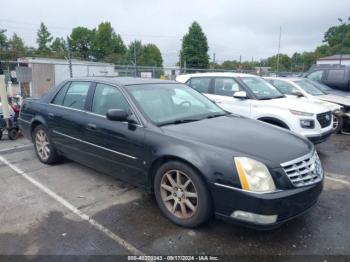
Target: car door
[
  {"x": 67, "y": 117},
  {"x": 116, "y": 146},
  {"x": 222, "y": 94},
  {"x": 337, "y": 78}
]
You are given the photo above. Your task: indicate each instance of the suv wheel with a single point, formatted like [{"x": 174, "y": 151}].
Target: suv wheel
[
  {"x": 337, "y": 123},
  {"x": 43, "y": 146},
  {"x": 182, "y": 195}
]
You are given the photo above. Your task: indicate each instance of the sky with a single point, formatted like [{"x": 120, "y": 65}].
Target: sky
[{"x": 247, "y": 28}]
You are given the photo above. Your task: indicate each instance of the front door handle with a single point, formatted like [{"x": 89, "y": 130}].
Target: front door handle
[
  {"x": 91, "y": 126},
  {"x": 51, "y": 115}
]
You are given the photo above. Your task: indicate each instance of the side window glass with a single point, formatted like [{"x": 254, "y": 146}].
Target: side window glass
[
  {"x": 336, "y": 75},
  {"x": 58, "y": 100},
  {"x": 225, "y": 86},
  {"x": 201, "y": 84},
  {"x": 316, "y": 76},
  {"x": 76, "y": 95},
  {"x": 284, "y": 87},
  {"x": 108, "y": 97}
]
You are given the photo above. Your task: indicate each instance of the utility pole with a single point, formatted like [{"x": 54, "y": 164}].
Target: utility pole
[
  {"x": 69, "y": 59},
  {"x": 344, "y": 25},
  {"x": 278, "y": 53},
  {"x": 135, "y": 62}
]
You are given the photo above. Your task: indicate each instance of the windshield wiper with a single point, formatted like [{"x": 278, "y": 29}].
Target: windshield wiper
[
  {"x": 179, "y": 121},
  {"x": 216, "y": 115}
]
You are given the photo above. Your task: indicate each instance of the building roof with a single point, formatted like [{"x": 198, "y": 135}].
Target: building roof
[
  {"x": 335, "y": 57},
  {"x": 44, "y": 60},
  {"x": 125, "y": 81}
]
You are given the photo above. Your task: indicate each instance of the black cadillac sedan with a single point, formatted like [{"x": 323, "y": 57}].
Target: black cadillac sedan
[{"x": 198, "y": 159}]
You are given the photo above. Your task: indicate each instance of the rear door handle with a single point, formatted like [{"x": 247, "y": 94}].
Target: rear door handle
[{"x": 91, "y": 126}]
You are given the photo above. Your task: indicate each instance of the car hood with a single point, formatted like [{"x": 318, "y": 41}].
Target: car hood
[
  {"x": 244, "y": 137},
  {"x": 336, "y": 99},
  {"x": 295, "y": 104}
]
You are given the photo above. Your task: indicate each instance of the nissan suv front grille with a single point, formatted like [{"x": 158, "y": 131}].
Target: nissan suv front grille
[
  {"x": 304, "y": 171},
  {"x": 324, "y": 119}
]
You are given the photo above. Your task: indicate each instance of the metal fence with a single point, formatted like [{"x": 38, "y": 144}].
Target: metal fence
[{"x": 33, "y": 77}]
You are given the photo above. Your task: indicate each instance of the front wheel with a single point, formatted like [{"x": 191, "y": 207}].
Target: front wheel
[
  {"x": 44, "y": 148},
  {"x": 182, "y": 195},
  {"x": 337, "y": 123}
]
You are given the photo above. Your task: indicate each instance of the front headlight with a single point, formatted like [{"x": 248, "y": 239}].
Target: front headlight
[
  {"x": 254, "y": 175},
  {"x": 300, "y": 113}
]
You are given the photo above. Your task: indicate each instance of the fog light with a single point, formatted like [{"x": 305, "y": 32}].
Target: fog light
[
  {"x": 305, "y": 123},
  {"x": 254, "y": 218}
]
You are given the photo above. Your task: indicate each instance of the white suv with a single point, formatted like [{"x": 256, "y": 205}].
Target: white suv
[{"x": 253, "y": 97}]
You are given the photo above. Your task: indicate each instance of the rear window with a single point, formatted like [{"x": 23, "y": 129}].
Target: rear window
[
  {"x": 336, "y": 74},
  {"x": 201, "y": 84}
]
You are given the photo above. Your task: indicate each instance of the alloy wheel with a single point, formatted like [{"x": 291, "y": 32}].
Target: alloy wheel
[
  {"x": 42, "y": 145},
  {"x": 179, "y": 194}
]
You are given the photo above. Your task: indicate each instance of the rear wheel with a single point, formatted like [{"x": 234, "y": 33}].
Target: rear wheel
[
  {"x": 182, "y": 195},
  {"x": 44, "y": 148}
]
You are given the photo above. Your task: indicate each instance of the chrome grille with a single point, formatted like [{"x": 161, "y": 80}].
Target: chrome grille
[
  {"x": 324, "y": 119},
  {"x": 305, "y": 170}
]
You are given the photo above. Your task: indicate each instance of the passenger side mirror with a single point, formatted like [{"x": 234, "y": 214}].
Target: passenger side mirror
[
  {"x": 240, "y": 95},
  {"x": 298, "y": 93},
  {"x": 117, "y": 115}
]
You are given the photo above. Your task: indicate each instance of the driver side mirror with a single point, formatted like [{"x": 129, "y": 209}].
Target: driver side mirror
[
  {"x": 240, "y": 95},
  {"x": 117, "y": 115},
  {"x": 298, "y": 93}
]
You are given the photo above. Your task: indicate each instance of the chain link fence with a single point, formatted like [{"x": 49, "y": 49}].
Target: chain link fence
[{"x": 34, "y": 76}]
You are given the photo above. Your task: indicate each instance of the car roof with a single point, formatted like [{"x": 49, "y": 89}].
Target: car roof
[
  {"x": 124, "y": 81},
  {"x": 217, "y": 74},
  {"x": 285, "y": 78}
]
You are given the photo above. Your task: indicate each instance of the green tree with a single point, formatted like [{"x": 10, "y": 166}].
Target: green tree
[
  {"x": 194, "y": 51},
  {"x": 59, "y": 47},
  {"x": 284, "y": 62},
  {"x": 17, "y": 43},
  {"x": 44, "y": 38},
  {"x": 135, "y": 51},
  {"x": 16, "y": 47},
  {"x": 107, "y": 44},
  {"x": 81, "y": 40},
  {"x": 152, "y": 56},
  {"x": 3, "y": 40}
]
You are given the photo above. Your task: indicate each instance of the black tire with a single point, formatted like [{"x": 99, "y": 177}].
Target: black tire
[
  {"x": 339, "y": 127},
  {"x": 203, "y": 206},
  {"x": 12, "y": 134},
  {"x": 53, "y": 156},
  {"x": 0, "y": 134}
]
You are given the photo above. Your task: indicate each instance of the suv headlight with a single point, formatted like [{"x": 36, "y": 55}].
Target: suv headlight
[
  {"x": 300, "y": 113},
  {"x": 254, "y": 175}
]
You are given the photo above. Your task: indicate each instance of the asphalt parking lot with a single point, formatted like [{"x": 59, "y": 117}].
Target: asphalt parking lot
[{"x": 71, "y": 209}]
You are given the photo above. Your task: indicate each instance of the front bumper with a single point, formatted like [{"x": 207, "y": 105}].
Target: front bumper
[
  {"x": 321, "y": 137},
  {"x": 286, "y": 204}
]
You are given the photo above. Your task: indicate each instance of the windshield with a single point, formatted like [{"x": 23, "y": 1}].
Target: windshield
[
  {"x": 261, "y": 88},
  {"x": 309, "y": 88},
  {"x": 172, "y": 103},
  {"x": 319, "y": 85}
]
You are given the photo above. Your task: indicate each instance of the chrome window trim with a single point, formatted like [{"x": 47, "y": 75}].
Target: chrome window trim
[
  {"x": 91, "y": 144},
  {"x": 66, "y": 107},
  {"x": 90, "y": 113},
  {"x": 299, "y": 159}
]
